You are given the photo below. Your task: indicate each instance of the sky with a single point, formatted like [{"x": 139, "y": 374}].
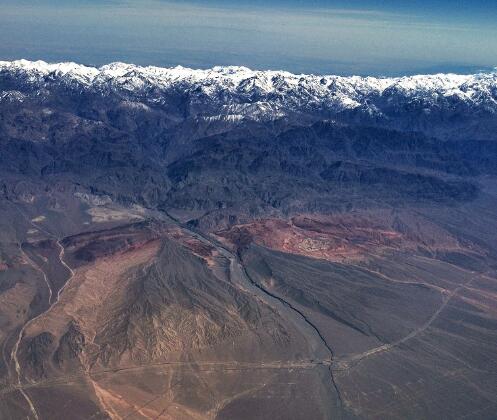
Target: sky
[{"x": 363, "y": 37}]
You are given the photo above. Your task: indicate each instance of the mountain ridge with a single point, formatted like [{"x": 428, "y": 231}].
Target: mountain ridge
[{"x": 448, "y": 106}]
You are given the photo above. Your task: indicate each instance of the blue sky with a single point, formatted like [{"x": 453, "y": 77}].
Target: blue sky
[
  {"x": 443, "y": 8},
  {"x": 317, "y": 36}
]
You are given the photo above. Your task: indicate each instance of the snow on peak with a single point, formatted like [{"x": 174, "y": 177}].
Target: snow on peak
[{"x": 277, "y": 92}]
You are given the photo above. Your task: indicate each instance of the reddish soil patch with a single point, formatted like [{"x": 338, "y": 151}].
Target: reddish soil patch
[
  {"x": 341, "y": 237},
  {"x": 200, "y": 249}
]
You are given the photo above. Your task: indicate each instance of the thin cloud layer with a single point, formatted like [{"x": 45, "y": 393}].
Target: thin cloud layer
[{"x": 318, "y": 40}]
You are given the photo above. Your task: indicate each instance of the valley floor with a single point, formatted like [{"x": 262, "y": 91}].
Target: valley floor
[{"x": 127, "y": 313}]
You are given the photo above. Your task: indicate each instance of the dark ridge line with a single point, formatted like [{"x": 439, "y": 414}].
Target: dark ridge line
[
  {"x": 336, "y": 317},
  {"x": 286, "y": 303},
  {"x": 103, "y": 230},
  {"x": 304, "y": 317},
  {"x": 335, "y": 386}
]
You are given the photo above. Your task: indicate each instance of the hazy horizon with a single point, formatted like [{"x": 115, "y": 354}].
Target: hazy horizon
[{"x": 322, "y": 37}]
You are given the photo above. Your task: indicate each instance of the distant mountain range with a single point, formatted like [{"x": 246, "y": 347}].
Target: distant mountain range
[
  {"x": 448, "y": 106},
  {"x": 280, "y": 142}
]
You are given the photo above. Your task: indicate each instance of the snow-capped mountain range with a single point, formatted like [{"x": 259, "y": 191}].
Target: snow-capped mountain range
[{"x": 446, "y": 105}]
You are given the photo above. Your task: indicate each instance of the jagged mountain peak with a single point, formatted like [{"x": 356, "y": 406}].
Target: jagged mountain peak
[
  {"x": 413, "y": 103},
  {"x": 239, "y": 74}
]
